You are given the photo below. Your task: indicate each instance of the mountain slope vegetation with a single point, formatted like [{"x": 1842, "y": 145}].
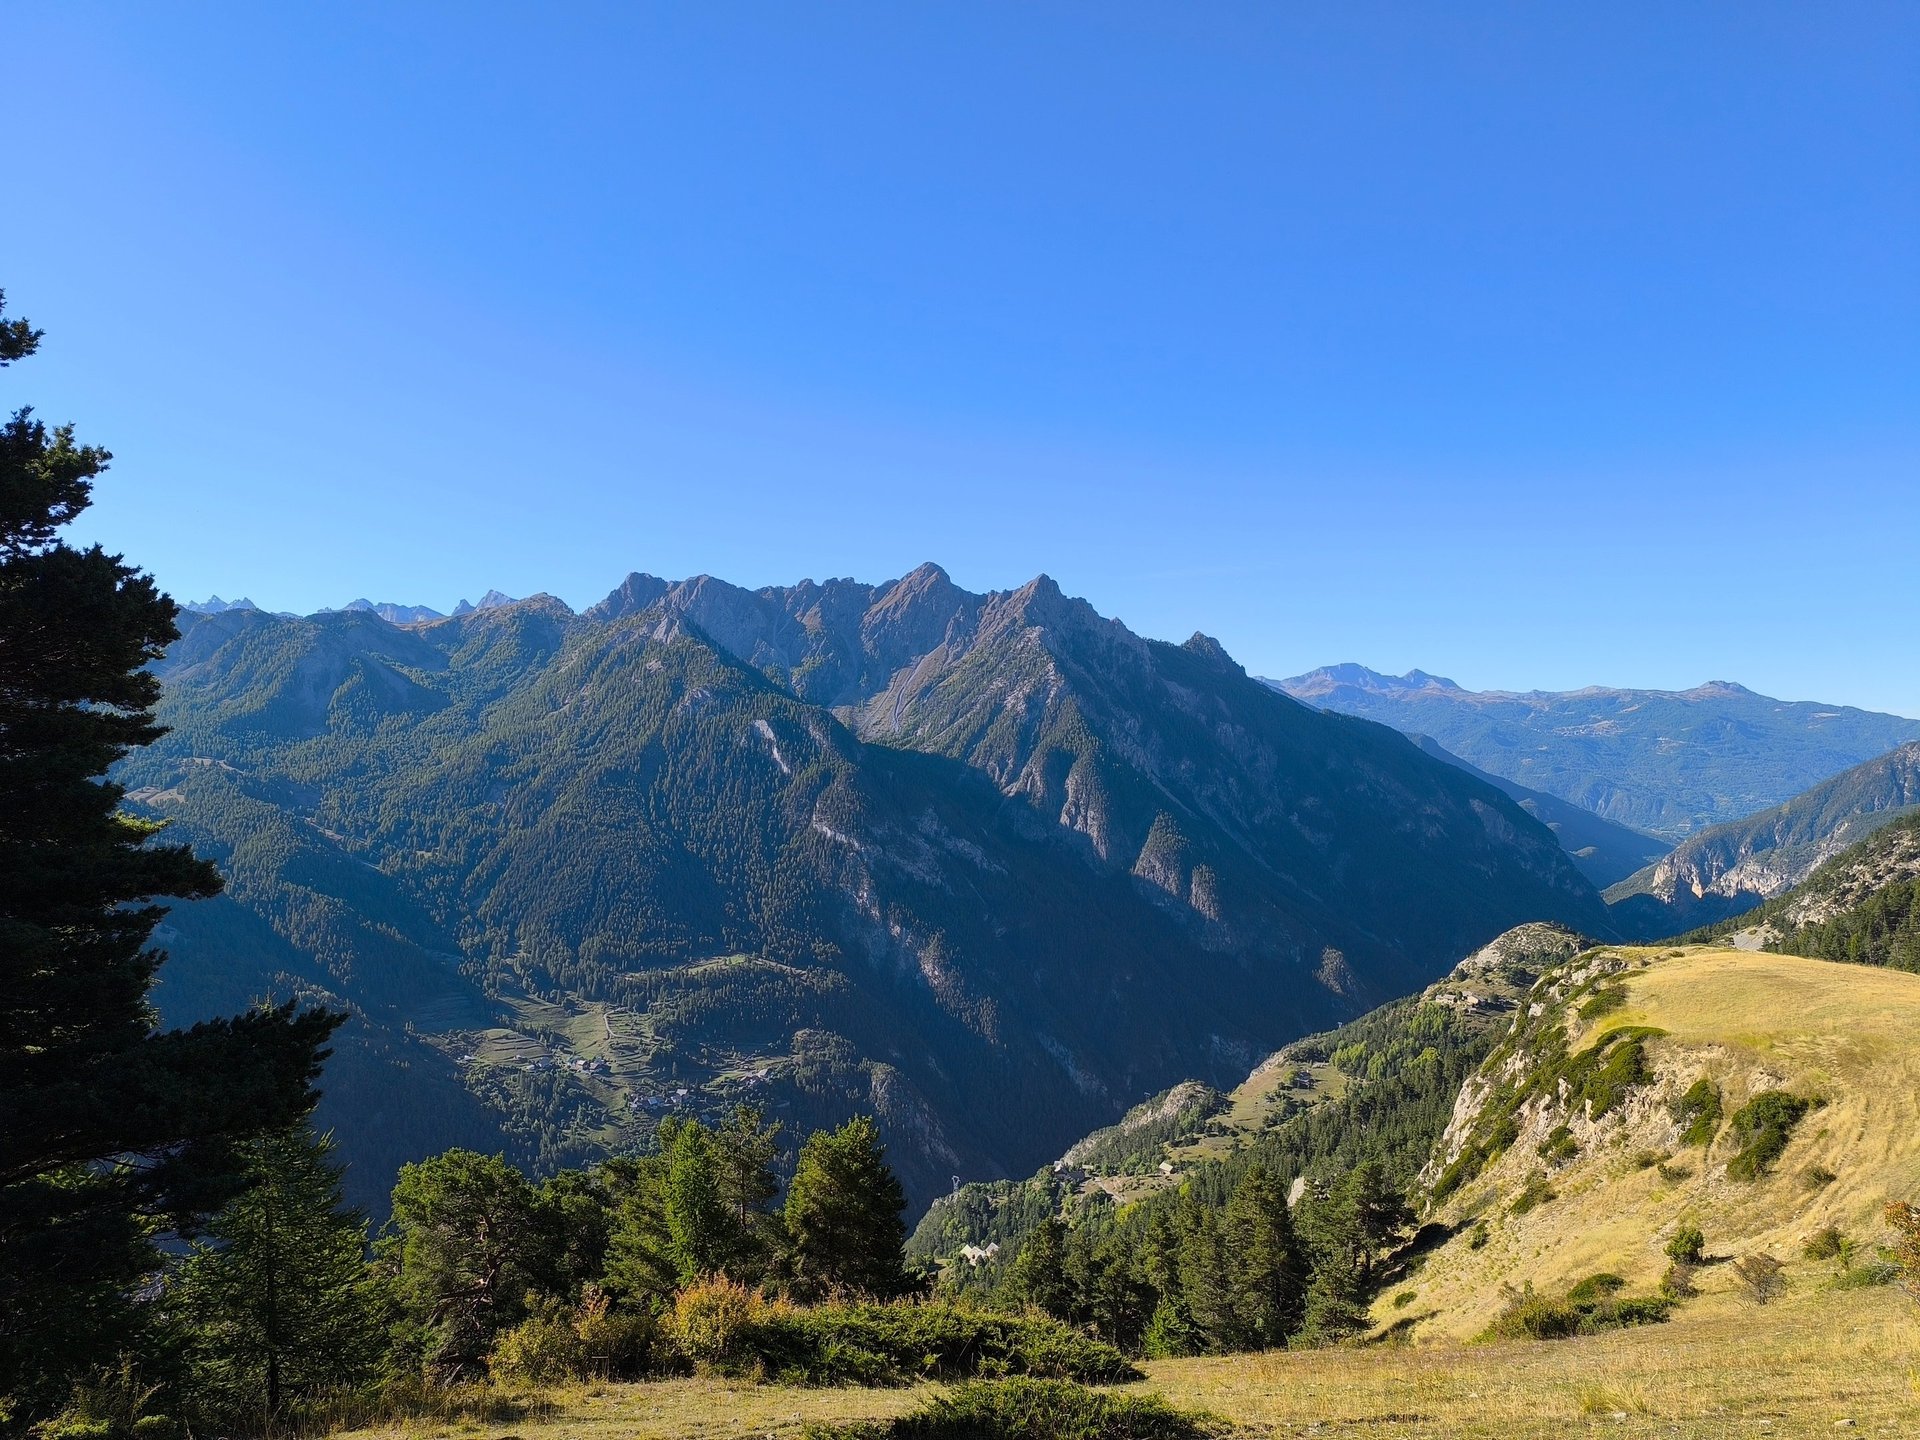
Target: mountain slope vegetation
[
  {"x": 1625, "y": 1156},
  {"x": 1732, "y": 868},
  {"x": 1666, "y": 762},
  {"x": 989, "y": 867},
  {"x": 1605, "y": 852}
]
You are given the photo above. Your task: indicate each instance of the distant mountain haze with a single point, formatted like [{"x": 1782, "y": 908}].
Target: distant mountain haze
[
  {"x": 989, "y": 866},
  {"x": 1664, "y": 762}
]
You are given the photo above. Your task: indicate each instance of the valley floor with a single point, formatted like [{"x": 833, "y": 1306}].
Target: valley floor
[{"x": 1806, "y": 1365}]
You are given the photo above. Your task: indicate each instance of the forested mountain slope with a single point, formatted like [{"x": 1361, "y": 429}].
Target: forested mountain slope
[
  {"x": 573, "y": 872},
  {"x": 1666, "y": 762},
  {"x": 1605, "y": 852},
  {"x": 1732, "y": 868}
]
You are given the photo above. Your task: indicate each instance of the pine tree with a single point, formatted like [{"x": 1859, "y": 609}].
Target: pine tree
[
  {"x": 640, "y": 1266},
  {"x": 843, "y": 1214},
  {"x": 465, "y": 1249},
  {"x": 277, "y": 1302},
  {"x": 745, "y": 1147},
  {"x": 702, "y": 1235},
  {"x": 1206, "y": 1281},
  {"x": 109, "y": 1132},
  {"x": 1265, "y": 1260},
  {"x": 1039, "y": 1274}
]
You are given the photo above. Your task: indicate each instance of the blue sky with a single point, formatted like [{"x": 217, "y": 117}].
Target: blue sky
[{"x": 1543, "y": 344}]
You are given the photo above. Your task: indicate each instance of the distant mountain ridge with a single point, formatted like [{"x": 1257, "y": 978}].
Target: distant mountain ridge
[
  {"x": 1665, "y": 762},
  {"x": 989, "y": 866},
  {"x": 1732, "y": 868}
]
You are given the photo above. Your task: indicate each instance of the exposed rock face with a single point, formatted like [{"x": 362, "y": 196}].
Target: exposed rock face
[{"x": 1732, "y": 868}]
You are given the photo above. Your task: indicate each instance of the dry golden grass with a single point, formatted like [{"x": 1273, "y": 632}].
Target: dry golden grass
[
  {"x": 1849, "y": 1034},
  {"x": 671, "y": 1410},
  {"x": 1722, "y": 1369}
]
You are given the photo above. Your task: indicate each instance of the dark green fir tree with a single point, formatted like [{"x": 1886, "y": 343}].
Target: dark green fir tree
[{"x": 111, "y": 1134}]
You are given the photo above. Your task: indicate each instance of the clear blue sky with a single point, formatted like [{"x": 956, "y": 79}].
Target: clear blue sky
[{"x": 1541, "y": 344}]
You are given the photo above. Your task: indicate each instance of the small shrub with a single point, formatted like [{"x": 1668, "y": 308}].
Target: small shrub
[
  {"x": 1536, "y": 1193},
  {"x": 1817, "y": 1177},
  {"x": 1529, "y": 1316},
  {"x": 110, "y": 1406},
  {"x": 1404, "y": 1299},
  {"x": 892, "y": 1344},
  {"x": 1604, "y": 1002},
  {"x": 1477, "y": 1239},
  {"x": 1697, "y": 1113},
  {"x": 68, "y": 1426},
  {"x": 1762, "y": 1276},
  {"x": 1028, "y": 1410},
  {"x": 1673, "y": 1173},
  {"x": 1762, "y": 1127},
  {"x": 1687, "y": 1245},
  {"x": 1647, "y": 1159},
  {"x": 1677, "y": 1283},
  {"x": 1827, "y": 1244},
  {"x": 1869, "y": 1276},
  {"x": 591, "y": 1341},
  {"x": 1559, "y": 1145},
  {"x": 1596, "y": 1287},
  {"x": 711, "y": 1317}
]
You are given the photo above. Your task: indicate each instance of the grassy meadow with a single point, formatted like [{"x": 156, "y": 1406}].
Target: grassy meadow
[{"x": 1723, "y": 1368}]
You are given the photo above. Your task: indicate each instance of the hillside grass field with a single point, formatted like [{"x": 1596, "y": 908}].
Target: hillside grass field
[
  {"x": 1721, "y": 1369},
  {"x": 1846, "y": 1036}
]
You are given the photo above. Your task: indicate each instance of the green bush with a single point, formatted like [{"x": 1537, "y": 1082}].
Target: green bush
[
  {"x": 1677, "y": 1283},
  {"x": 1687, "y": 1245},
  {"x": 590, "y": 1341},
  {"x": 1559, "y": 1145},
  {"x": 1529, "y": 1316},
  {"x": 1536, "y": 1193},
  {"x": 1762, "y": 1127},
  {"x": 74, "y": 1427},
  {"x": 1604, "y": 1002},
  {"x": 891, "y": 1344},
  {"x": 1825, "y": 1244},
  {"x": 1698, "y": 1113},
  {"x": 1029, "y": 1410},
  {"x": 1595, "y": 1288}
]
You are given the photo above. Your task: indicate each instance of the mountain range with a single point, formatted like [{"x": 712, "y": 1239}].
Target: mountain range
[
  {"x": 989, "y": 866},
  {"x": 1668, "y": 763}
]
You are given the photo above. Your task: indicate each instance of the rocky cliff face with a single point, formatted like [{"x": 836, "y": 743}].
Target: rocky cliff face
[{"x": 1735, "y": 867}]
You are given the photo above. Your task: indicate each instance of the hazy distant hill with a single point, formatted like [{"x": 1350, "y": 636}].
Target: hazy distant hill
[
  {"x": 575, "y": 871},
  {"x": 1732, "y": 868},
  {"x": 1666, "y": 762}
]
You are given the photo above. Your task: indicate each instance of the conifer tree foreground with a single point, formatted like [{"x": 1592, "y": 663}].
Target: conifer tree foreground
[
  {"x": 276, "y": 1302},
  {"x": 109, "y": 1132},
  {"x": 843, "y": 1213}
]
